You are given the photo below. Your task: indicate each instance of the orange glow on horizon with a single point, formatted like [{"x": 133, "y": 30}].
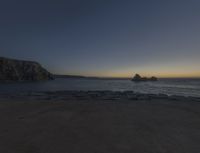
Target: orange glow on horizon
[
  {"x": 170, "y": 70},
  {"x": 146, "y": 74}
]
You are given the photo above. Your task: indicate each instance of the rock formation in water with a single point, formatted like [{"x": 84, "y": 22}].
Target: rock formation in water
[
  {"x": 18, "y": 70},
  {"x": 138, "y": 78}
]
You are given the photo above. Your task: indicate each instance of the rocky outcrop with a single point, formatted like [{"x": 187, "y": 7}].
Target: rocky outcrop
[
  {"x": 18, "y": 70},
  {"x": 138, "y": 78}
]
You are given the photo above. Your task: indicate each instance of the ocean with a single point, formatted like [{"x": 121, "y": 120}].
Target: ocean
[{"x": 181, "y": 87}]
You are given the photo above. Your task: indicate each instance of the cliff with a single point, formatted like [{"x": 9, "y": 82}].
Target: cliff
[{"x": 18, "y": 70}]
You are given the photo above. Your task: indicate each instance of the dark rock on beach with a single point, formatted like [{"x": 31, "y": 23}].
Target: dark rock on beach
[{"x": 18, "y": 70}]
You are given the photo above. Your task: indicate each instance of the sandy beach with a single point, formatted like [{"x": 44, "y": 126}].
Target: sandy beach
[{"x": 99, "y": 122}]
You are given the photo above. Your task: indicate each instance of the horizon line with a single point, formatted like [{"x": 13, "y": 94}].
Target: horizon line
[{"x": 119, "y": 77}]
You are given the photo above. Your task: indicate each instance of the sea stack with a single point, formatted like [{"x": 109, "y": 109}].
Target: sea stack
[
  {"x": 138, "y": 78},
  {"x": 19, "y": 70}
]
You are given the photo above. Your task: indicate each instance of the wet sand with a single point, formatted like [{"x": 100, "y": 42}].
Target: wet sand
[{"x": 101, "y": 122}]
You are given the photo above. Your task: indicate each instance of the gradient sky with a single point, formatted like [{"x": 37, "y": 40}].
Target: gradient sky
[{"x": 104, "y": 37}]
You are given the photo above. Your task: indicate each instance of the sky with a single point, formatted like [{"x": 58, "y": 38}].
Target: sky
[{"x": 107, "y": 38}]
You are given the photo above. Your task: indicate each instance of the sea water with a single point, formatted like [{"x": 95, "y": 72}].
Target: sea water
[{"x": 182, "y": 87}]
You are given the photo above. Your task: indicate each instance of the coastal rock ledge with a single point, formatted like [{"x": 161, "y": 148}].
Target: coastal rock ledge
[{"x": 18, "y": 70}]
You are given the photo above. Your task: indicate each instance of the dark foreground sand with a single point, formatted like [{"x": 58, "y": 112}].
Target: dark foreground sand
[{"x": 99, "y": 125}]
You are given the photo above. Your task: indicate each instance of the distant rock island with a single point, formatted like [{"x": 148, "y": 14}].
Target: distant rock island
[
  {"x": 138, "y": 78},
  {"x": 19, "y": 70}
]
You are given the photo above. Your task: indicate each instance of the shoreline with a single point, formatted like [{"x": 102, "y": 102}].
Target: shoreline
[
  {"x": 100, "y": 122},
  {"x": 94, "y": 95}
]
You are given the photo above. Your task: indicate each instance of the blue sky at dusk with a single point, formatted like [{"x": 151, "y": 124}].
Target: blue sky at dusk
[{"x": 104, "y": 37}]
